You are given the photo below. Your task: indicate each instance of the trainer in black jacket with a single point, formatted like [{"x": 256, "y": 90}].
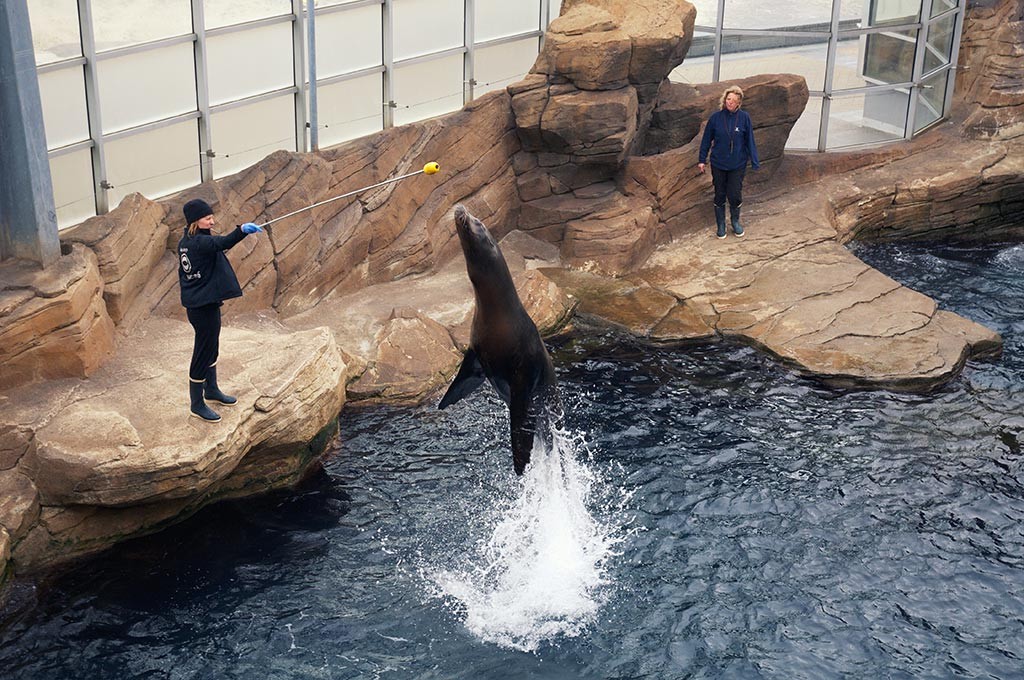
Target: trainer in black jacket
[{"x": 206, "y": 279}]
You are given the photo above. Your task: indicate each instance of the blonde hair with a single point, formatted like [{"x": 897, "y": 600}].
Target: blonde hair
[
  {"x": 192, "y": 228},
  {"x": 732, "y": 89}
]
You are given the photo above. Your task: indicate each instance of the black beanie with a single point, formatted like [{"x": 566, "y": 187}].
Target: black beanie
[{"x": 195, "y": 210}]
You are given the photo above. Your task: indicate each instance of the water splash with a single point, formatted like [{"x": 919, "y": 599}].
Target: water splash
[
  {"x": 540, "y": 574},
  {"x": 1011, "y": 257}
]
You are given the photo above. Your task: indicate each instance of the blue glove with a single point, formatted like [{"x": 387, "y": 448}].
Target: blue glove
[{"x": 250, "y": 228}]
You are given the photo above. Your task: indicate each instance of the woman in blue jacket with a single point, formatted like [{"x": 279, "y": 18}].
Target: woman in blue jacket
[
  {"x": 729, "y": 136},
  {"x": 206, "y": 280}
]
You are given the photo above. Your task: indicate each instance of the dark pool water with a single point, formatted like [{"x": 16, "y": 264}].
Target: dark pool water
[{"x": 709, "y": 515}]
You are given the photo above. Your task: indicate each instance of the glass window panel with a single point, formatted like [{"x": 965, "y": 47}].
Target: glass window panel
[
  {"x": 332, "y": 3},
  {"x": 55, "y": 34},
  {"x": 940, "y": 6},
  {"x": 753, "y": 55},
  {"x": 247, "y": 134},
  {"x": 940, "y": 43},
  {"x": 348, "y": 41},
  {"x": 229, "y": 12},
  {"x": 425, "y": 26},
  {"x": 428, "y": 89},
  {"x": 247, "y": 63},
  {"x": 699, "y": 65},
  {"x": 154, "y": 163},
  {"x": 881, "y": 12},
  {"x": 848, "y": 72},
  {"x": 554, "y": 9},
  {"x": 931, "y": 97},
  {"x": 350, "y": 109},
  {"x": 707, "y": 12},
  {"x": 65, "y": 117},
  {"x": 117, "y": 23},
  {"x": 147, "y": 86},
  {"x": 889, "y": 56},
  {"x": 804, "y": 134},
  {"x": 501, "y": 65},
  {"x": 790, "y": 16},
  {"x": 867, "y": 118},
  {"x": 499, "y": 18},
  {"x": 73, "y": 187},
  {"x": 851, "y": 14}
]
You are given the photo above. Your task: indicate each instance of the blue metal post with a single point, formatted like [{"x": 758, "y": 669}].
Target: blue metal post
[{"x": 28, "y": 220}]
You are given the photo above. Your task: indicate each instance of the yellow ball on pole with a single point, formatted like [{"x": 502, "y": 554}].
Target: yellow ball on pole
[{"x": 431, "y": 167}]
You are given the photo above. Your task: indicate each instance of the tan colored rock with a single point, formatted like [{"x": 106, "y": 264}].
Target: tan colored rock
[
  {"x": 613, "y": 240},
  {"x": 53, "y": 323},
  {"x": 96, "y": 448},
  {"x": 582, "y": 127},
  {"x": 5, "y": 553},
  {"x": 66, "y": 533},
  {"x": 548, "y": 305},
  {"x": 989, "y": 90},
  {"x": 591, "y": 127},
  {"x": 950, "y": 199},
  {"x": 689, "y": 321},
  {"x": 607, "y": 44},
  {"x": 128, "y": 242},
  {"x": 415, "y": 354},
  {"x": 586, "y": 46},
  {"x": 621, "y": 303},
  {"x": 660, "y": 32},
  {"x": 19, "y": 504},
  {"x": 14, "y": 442}
]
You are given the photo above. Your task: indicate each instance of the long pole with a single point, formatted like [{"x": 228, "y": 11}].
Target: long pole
[{"x": 428, "y": 169}]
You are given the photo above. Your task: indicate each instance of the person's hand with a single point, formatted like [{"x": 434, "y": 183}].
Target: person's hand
[
  {"x": 700, "y": 166},
  {"x": 250, "y": 228}
]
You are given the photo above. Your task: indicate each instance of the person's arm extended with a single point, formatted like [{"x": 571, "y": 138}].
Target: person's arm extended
[{"x": 225, "y": 242}]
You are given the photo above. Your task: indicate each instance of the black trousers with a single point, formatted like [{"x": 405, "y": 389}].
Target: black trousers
[
  {"x": 206, "y": 322},
  {"x": 728, "y": 184}
]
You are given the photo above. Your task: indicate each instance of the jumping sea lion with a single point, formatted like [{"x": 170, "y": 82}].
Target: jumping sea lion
[{"x": 504, "y": 344}]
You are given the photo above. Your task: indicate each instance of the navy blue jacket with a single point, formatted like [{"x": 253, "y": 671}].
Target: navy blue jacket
[
  {"x": 205, "y": 275},
  {"x": 730, "y": 138}
]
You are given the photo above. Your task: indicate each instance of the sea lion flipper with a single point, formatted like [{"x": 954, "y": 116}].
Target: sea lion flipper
[
  {"x": 522, "y": 427},
  {"x": 469, "y": 377}
]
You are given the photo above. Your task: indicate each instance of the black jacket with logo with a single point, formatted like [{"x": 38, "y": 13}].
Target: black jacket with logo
[{"x": 205, "y": 275}]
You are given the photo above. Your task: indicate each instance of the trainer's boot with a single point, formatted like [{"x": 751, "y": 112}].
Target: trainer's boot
[
  {"x": 212, "y": 392},
  {"x": 734, "y": 213},
  {"x": 199, "y": 408},
  {"x": 720, "y": 219}
]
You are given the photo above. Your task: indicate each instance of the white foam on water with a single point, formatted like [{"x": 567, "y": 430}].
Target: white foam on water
[
  {"x": 541, "y": 573},
  {"x": 1012, "y": 257}
]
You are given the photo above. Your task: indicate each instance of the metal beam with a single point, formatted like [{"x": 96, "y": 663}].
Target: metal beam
[{"x": 28, "y": 219}]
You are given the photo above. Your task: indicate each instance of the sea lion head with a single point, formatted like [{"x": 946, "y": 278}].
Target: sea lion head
[{"x": 478, "y": 245}]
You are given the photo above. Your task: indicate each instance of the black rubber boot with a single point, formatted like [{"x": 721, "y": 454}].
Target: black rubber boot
[
  {"x": 720, "y": 219},
  {"x": 734, "y": 213},
  {"x": 212, "y": 392},
  {"x": 199, "y": 408}
]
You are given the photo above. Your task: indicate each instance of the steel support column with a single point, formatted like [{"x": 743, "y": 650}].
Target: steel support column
[{"x": 28, "y": 220}]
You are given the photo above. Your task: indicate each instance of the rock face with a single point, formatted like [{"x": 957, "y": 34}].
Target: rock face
[
  {"x": 93, "y": 455},
  {"x": 53, "y": 323},
  {"x": 585, "y": 169},
  {"x": 990, "y": 81}
]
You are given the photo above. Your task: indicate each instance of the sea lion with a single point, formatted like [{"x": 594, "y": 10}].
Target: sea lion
[{"x": 504, "y": 344}]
